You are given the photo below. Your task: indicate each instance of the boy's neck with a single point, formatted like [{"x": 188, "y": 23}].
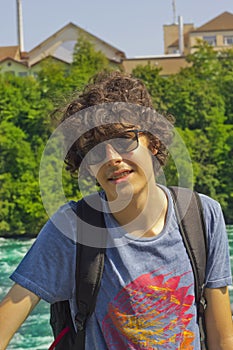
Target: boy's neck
[{"x": 145, "y": 214}]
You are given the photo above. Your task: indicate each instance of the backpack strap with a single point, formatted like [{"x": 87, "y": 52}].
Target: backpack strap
[
  {"x": 189, "y": 213},
  {"x": 91, "y": 242},
  {"x": 90, "y": 261}
]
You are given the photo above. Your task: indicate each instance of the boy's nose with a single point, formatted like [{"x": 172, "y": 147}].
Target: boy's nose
[{"x": 111, "y": 154}]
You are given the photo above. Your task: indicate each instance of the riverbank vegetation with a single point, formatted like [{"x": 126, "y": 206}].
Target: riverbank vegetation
[{"x": 200, "y": 98}]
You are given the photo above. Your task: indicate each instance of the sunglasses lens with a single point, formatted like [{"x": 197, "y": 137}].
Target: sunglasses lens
[{"x": 123, "y": 143}]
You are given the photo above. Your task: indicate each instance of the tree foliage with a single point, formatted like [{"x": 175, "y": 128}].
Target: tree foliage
[
  {"x": 26, "y": 124},
  {"x": 199, "y": 96}
]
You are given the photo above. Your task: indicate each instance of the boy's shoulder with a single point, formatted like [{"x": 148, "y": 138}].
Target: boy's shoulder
[{"x": 210, "y": 205}]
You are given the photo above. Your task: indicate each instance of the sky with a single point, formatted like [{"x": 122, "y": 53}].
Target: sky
[{"x": 132, "y": 26}]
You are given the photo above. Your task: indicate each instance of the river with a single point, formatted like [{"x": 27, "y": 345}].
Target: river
[{"x": 36, "y": 333}]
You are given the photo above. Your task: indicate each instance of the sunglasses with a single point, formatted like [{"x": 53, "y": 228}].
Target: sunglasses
[{"x": 125, "y": 142}]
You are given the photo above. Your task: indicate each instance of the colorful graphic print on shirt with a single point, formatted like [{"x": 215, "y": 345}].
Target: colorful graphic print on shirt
[{"x": 151, "y": 312}]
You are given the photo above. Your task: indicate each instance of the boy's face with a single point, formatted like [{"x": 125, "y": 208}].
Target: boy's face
[{"x": 123, "y": 166}]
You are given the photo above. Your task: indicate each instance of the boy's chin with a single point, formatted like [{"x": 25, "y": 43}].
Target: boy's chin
[{"x": 123, "y": 193}]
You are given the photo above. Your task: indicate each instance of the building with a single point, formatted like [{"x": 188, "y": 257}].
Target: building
[
  {"x": 169, "y": 64},
  {"x": 58, "y": 46},
  {"x": 179, "y": 41},
  {"x": 218, "y": 32},
  {"x": 61, "y": 45},
  {"x": 13, "y": 61}
]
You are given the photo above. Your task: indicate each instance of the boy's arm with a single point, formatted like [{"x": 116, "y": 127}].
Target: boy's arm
[
  {"x": 14, "y": 309},
  {"x": 218, "y": 319}
]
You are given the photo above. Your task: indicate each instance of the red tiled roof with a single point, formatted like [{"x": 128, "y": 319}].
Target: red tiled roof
[
  {"x": 9, "y": 51},
  {"x": 13, "y": 53}
]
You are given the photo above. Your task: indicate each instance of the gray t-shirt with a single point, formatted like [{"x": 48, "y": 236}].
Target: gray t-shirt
[{"x": 146, "y": 299}]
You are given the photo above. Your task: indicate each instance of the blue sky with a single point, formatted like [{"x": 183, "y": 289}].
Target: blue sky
[{"x": 133, "y": 26}]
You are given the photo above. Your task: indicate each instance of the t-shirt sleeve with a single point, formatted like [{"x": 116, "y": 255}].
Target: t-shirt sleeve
[
  {"x": 48, "y": 268},
  {"x": 218, "y": 271}
]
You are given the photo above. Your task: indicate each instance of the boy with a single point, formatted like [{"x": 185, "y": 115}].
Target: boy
[{"x": 146, "y": 298}]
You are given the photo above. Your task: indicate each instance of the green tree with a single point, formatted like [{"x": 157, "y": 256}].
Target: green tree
[
  {"x": 155, "y": 84},
  {"x": 204, "y": 61},
  {"x": 21, "y": 208},
  {"x": 226, "y": 175},
  {"x": 87, "y": 61},
  {"x": 25, "y": 125},
  {"x": 21, "y": 103},
  {"x": 200, "y": 98},
  {"x": 225, "y": 82},
  {"x": 52, "y": 78}
]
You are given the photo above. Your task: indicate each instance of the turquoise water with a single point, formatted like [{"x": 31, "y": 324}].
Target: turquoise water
[{"x": 36, "y": 332}]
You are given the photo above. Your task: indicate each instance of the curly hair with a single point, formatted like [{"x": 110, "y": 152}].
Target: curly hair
[{"x": 112, "y": 102}]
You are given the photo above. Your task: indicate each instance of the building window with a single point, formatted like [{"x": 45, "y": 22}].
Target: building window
[
  {"x": 211, "y": 40},
  {"x": 228, "y": 40}
]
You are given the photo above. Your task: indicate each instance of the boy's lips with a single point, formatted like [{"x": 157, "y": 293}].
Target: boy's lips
[{"x": 119, "y": 174}]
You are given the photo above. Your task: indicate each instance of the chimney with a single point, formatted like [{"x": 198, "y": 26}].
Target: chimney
[
  {"x": 181, "y": 35},
  {"x": 20, "y": 26},
  {"x": 174, "y": 11}
]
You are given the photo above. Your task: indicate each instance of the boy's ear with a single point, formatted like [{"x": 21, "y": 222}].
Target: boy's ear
[{"x": 154, "y": 151}]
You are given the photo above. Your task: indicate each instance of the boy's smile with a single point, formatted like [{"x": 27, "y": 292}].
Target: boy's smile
[{"x": 120, "y": 176}]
